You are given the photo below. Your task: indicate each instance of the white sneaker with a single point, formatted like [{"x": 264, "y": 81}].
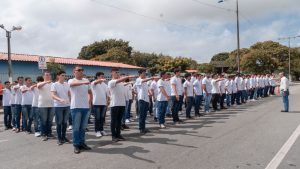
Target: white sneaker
[
  {"x": 162, "y": 126},
  {"x": 136, "y": 117},
  {"x": 104, "y": 133},
  {"x": 37, "y": 134},
  {"x": 70, "y": 127},
  {"x": 127, "y": 121},
  {"x": 98, "y": 134}
]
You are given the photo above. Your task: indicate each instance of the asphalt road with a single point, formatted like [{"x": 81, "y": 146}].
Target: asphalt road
[{"x": 245, "y": 137}]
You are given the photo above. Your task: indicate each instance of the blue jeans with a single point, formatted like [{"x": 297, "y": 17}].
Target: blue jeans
[
  {"x": 155, "y": 108},
  {"x": 46, "y": 114},
  {"x": 189, "y": 102},
  {"x": 198, "y": 99},
  {"x": 161, "y": 111},
  {"x": 244, "y": 95},
  {"x": 207, "y": 99},
  {"x": 13, "y": 110},
  {"x": 61, "y": 118},
  {"x": 18, "y": 110},
  {"x": 80, "y": 118},
  {"x": 285, "y": 99},
  {"x": 125, "y": 112},
  {"x": 175, "y": 107},
  {"x": 7, "y": 116},
  {"x": 228, "y": 100},
  {"x": 35, "y": 115},
  {"x": 99, "y": 111},
  {"x": 116, "y": 114},
  {"x": 169, "y": 107},
  {"x": 128, "y": 109},
  {"x": 26, "y": 117},
  {"x": 238, "y": 97},
  {"x": 143, "y": 108}
]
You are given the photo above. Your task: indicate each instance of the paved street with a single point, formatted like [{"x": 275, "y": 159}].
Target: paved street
[{"x": 245, "y": 137}]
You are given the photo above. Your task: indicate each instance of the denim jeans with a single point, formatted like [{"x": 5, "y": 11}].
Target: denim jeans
[
  {"x": 238, "y": 97},
  {"x": 13, "y": 110},
  {"x": 207, "y": 99},
  {"x": 155, "y": 108},
  {"x": 285, "y": 99},
  {"x": 169, "y": 107},
  {"x": 61, "y": 119},
  {"x": 116, "y": 114},
  {"x": 161, "y": 111},
  {"x": 189, "y": 102},
  {"x": 128, "y": 109},
  {"x": 228, "y": 99},
  {"x": 215, "y": 99},
  {"x": 99, "y": 111},
  {"x": 222, "y": 99},
  {"x": 18, "y": 110},
  {"x": 79, "y": 119},
  {"x": 243, "y": 97},
  {"x": 46, "y": 114},
  {"x": 175, "y": 108},
  {"x": 35, "y": 115},
  {"x": 26, "y": 117},
  {"x": 7, "y": 116},
  {"x": 124, "y": 113},
  {"x": 143, "y": 108},
  {"x": 198, "y": 99},
  {"x": 233, "y": 98}
]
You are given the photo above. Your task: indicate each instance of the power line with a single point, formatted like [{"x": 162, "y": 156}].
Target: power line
[
  {"x": 145, "y": 16},
  {"x": 214, "y": 6}
]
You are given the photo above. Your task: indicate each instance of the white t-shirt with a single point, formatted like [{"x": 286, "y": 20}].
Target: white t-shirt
[
  {"x": 228, "y": 86},
  {"x": 178, "y": 83},
  {"x": 62, "y": 91},
  {"x": 117, "y": 94},
  {"x": 165, "y": 85},
  {"x": 99, "y": 93},
  {"x": 79, "y": 94},
  {"x": 35, "y": 99},
  {"x": 222, "y": 86},
  {"x": 168, "y": 87},
  {"x": 238, "y": 83},
  {"x": 129, "y": 89},
  {"x": 198, "y": 87},
  {"x": 233, "y": 84},
  {"x": 142, "y": 89},
  {"x": 189, "y": 86},
  {"x": 45, "y": 97},
  {"x": 243, "y": 84},
  {"x": 27, "y": 96},
  {"x": 153, "y": 86},
  {"x": 18, "y": 94},
  {"x": 6, "y": 97},
  {"x": 215, "y": 87},
  {"x": 12, "y": 96},
  {"x": 208, "y": 85}
]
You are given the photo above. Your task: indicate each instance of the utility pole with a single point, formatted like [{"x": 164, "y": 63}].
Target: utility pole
[{"x": 289, "y": 43}]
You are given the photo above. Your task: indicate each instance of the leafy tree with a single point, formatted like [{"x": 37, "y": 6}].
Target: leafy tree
[{"x": 220, "y": 56}]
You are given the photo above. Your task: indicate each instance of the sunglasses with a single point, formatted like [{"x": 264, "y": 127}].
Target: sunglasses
[{"x": 79, "y": 70}]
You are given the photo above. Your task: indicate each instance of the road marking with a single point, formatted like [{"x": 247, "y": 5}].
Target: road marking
[
  {"x": 3, "y": 141},
  {"x": 284, "y": 150}
]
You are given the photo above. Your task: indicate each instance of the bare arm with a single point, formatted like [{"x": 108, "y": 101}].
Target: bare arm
[{"x": 41, "y": 84}]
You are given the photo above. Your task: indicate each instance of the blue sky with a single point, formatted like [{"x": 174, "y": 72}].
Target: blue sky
[{"x": 174, "y": 27}]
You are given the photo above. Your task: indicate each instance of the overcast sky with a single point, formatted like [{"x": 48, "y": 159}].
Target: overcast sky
[{"x": 192, "y": 28}]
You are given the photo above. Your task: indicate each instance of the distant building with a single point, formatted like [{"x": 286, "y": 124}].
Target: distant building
[{"x": 27, "y": 66}]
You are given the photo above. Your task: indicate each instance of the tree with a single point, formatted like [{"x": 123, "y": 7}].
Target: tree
[
  {"x": 115, "y": 55},
  {"x": 54, "y": 68},
  {"x": 220, "y": 57}
]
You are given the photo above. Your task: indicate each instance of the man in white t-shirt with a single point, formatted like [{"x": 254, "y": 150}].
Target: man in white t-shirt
[
  {"x": 61, "y": 96},
  {"x": 197, "y": 86},
  {"x": 215, "y": 91},
  {"x": 176, "y": 95},
  {"x": 154, "y": 91},
  {"x": 80, "y": 103},
  {"x": 207, "y": 89},
  {"x": 45, "y": 105},
  {"x": 222, "y": 91},
  {"x": 143, "y": 98},
  {"x": 130, "y": 93},
  {"x": 238, "y": 82},
  {"x": 100, "y": 98},
  {"x": 35, "y": 112},
  {"x": 27, "y": 97},
  {"x": 234, "y": 91},
  {"x": 284, "y": 91},
  {"x": 17, "y": 103},
  {"x": 117, "y": 103},
  {"x": 189, "y": 95},
  {"x": 228, "y": 90},
  {"x": 6, "y": 105},
  {"x": 162, "y": 98}
]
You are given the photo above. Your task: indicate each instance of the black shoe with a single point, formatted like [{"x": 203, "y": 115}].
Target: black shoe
[
  {"x": 155, "y": 119},
  {"x": 201, "y": 114},
  {"x": 189, "y": 117},
  {"x": 284, "y": 111},
  {"x": 169, "y": 115},
  {"x": 51, "y": 136},
  {"x": 85, "y": 147},
  {"x": 121, "y": 138},
  {"x": 65, "y": 140},
  {"x": 76, "y": 150},
  {"x": 142, "y": 131},
  {"x": 179, "y": 121},
  {"x": 124, "y": 126},
  {"x": 114, "y": 139},
  {"x": 59, "y": 142},
  {"x": 86, "y": 129}
]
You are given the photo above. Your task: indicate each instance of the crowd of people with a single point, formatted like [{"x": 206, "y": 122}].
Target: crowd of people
[{"x": 71, "y": 102}]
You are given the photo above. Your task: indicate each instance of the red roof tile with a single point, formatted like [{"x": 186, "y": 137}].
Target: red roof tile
[
  {"x": 61, "y": 60},
  {"x": 191, "y": 71}
]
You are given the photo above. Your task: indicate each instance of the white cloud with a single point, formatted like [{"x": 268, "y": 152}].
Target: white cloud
[{"x": 62, "y": 27}]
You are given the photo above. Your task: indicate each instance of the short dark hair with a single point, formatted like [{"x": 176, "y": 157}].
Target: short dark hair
[
  {"x": 187, "y": 75},
  {"x": 27, "y": 78},
  {"x": 40, "y": 79},
  {"x": 162, "y": 73},
  {"x": 114, "y": 69},
  {"x": 60, "y": 72},
  {"x": 20, "y": 77},
  {"x": 6, "y": 82},
  {"x": 176, "y": 70},
  {"x": 99, "y": 74},
  {"x": 141, "y": 71}
]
